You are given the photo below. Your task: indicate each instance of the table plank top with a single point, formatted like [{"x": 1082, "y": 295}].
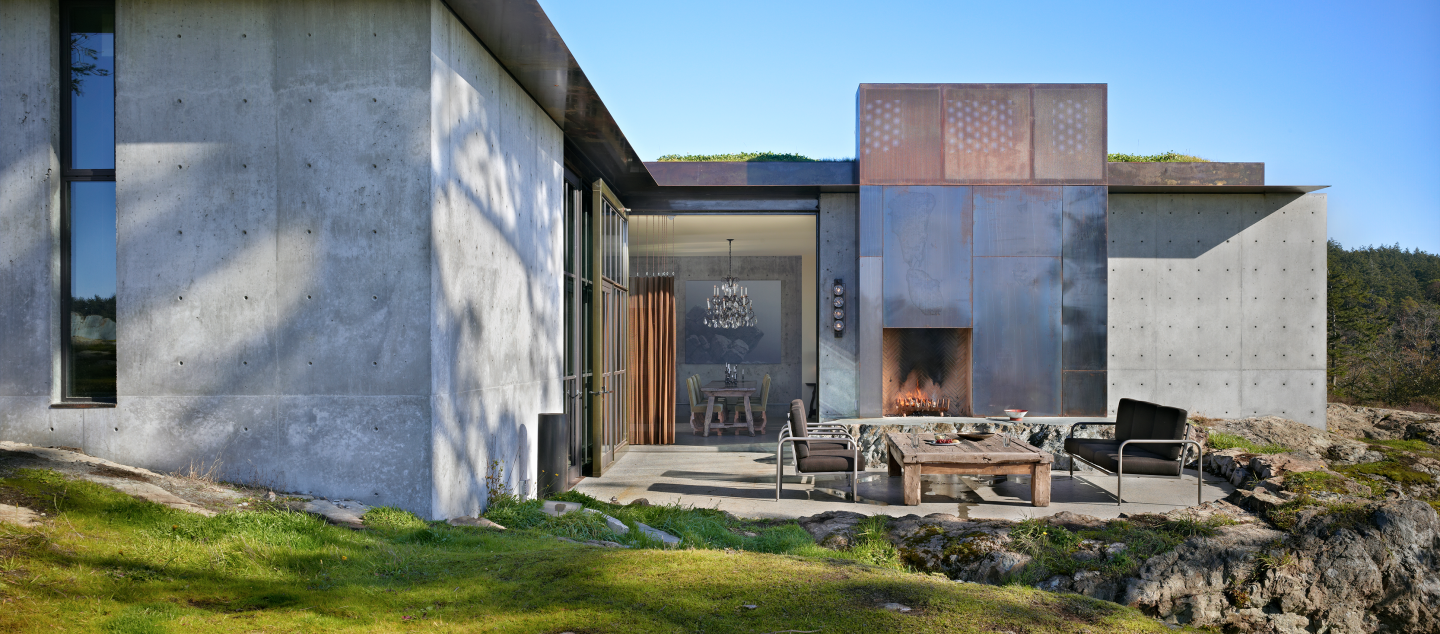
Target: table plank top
[
  {"x": 992, "y": 450},
  {"x": 719, "y": 388}
]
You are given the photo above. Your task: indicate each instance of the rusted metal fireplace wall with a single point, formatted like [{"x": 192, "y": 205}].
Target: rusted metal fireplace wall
[{"x": 984, "y": 206}]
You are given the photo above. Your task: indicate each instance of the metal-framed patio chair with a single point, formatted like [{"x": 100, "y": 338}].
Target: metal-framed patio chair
[
  {"x": 817, "y": 449},
  {"x": 1164, "y": 433}
]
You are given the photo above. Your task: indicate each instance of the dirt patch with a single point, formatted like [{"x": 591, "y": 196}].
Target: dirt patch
[{"x": 111, "y": 472}]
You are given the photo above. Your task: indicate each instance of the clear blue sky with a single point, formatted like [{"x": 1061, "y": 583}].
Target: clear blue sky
[{"x": 1324, "y": 93}]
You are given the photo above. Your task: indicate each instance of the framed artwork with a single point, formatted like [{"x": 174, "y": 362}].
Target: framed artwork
[{"x": 747, "y": 344}]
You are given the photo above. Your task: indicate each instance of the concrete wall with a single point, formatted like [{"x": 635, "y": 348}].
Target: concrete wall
[
  {"x": 838, "y": 258},
  {"x": 29, "y": 198},
  {"x": 338, "y": 249},
  {"x": 785, "y": 377},
  {"x": 1217, "y": 303},
  {"x": 273, "y": 244},
  {"x": 496, "y": 276}
]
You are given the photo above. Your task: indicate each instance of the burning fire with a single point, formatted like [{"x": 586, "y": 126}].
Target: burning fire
[{"x": 915, "y": 400}]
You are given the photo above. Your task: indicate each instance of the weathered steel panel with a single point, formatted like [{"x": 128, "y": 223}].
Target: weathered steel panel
[
  {"x": 1017, "y": 221},
  {"x": 1084, "y": 310},
  {"x": 1017, "y": 335},
  {"x": 899, "y": 130},
  {"x": 1187, "y": 174},
  {"x": 927, "y": 234},
  {"x": 871, "y": 225},
  {"x": 1070, "y": 129},
  {"x": 987, "y": 134},
  {"x": 867, "y": 326},
  {"x": 1084, "y": 393}
]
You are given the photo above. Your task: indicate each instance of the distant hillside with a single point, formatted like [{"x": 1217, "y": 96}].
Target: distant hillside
[{"x": 1384, "y": 327}]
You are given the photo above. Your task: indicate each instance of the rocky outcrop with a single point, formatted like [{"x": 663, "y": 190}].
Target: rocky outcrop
[
  {"x": 1354, "y": 570},
  {"x": 1348, "y": 566},
  {"x": 1382, "y": 424},
  {"x": 1293, "y": 435},
  {"x": 961, "y": 549}
]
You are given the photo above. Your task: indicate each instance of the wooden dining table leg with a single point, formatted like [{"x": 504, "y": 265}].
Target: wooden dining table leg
[
  {"x": 709, "y": 411},
  {"x": 749, "y": 417},
  {"x": 1040, "y": 485},
  {"x": 911, "y": 483}
]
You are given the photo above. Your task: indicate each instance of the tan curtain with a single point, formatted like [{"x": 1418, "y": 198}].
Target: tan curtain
[{"x": 652, "y": 360}]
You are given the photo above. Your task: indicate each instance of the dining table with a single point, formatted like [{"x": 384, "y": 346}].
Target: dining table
[{"x": 742, "y": 390}]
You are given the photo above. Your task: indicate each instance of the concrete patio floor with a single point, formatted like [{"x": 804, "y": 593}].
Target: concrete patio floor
[{"x": 740, "y": 478}]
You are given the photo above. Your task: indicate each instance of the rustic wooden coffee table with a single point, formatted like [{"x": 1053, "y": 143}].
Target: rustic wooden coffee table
[{"x": 968, "y": 457}]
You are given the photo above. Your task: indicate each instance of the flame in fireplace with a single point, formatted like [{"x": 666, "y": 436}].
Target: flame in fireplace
[{"x": 917, "y": 401}]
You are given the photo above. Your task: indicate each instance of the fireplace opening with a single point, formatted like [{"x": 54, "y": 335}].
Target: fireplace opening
[{"x": 926, "y": 372}]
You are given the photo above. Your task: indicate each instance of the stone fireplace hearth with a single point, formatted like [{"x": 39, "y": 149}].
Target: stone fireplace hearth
[{"x": 926, "y": 372}]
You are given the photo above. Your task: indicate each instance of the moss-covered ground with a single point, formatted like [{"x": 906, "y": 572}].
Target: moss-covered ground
[
  {"x": 1053, "y": 548},
  {"x": 103, "y": 561}
]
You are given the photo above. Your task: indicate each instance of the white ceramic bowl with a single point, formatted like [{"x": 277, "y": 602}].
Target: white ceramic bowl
[{"x": 1016, "y": 414}]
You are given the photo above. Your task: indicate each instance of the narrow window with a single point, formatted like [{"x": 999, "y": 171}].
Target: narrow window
[{"x": 87, "y": 225}]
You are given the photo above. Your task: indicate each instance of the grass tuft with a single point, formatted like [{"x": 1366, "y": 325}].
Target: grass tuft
[
  {"x": 1167, "y": 157},
  {"x": 1220, "y": 441}
]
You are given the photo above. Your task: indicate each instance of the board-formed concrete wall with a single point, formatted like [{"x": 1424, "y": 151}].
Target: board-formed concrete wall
[
  {"x": 338, "y": 249},
  {"x": 786, "y": 376},
  {"x": 1217, "y": 303},
  {"x": 496, "y": 274},
  {"x": 29, "y": 198},
  {"x": 839, "y": 253}
]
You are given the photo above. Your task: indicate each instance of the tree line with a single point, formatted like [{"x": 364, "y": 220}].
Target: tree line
[{"x": 1383, "y": 314}]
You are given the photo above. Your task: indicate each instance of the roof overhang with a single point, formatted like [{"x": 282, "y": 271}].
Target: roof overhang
[{"x": 522, "y": 39}]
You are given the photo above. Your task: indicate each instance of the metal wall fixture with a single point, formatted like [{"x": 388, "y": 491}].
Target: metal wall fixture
[{"x": 838, "y": 304}]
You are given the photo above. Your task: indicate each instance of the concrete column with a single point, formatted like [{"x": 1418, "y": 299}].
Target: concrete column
[{"x": 839, "y": 259}]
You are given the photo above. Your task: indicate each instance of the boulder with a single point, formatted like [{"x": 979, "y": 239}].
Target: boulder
[
  {"x": 658, "y": 535},
  {"x": 476, "y": 522},
  {"x": 1270, "y": 466},
  {"x": 839, "y": 524}
]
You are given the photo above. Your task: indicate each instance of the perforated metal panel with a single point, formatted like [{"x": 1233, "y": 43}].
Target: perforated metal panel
[
  {"x": 1070, "y": 134},
  {"x": 927, "y": 235},
  {"x": 987, "y": 134},
  {"x": 899, "y": 135},
  {"x": 1017, "y": 335}
]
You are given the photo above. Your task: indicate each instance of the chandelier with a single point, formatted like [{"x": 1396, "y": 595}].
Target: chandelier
[{"x": 730, "y": 306}]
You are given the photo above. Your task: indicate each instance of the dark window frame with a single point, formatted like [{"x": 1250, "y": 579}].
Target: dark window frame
[{"x": 67, "y": 176}]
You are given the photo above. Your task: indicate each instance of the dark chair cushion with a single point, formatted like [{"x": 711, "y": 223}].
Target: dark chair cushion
[
  {"x": 797, "y": 428},
  {"x": 1138, "y": 459},
  {"x": 828, "y": 445},
  {"x": 829, "y": 460},
  {"x": 1136, "y": 420}
]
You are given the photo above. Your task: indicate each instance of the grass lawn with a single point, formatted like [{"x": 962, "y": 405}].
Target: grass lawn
[{"x": 104, "y": 561}]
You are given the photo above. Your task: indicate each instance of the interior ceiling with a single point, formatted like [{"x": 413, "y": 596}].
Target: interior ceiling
[{"x": 755, "y": 234}]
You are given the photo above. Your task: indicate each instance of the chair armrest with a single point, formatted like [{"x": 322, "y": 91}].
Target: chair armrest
[
  {"x": 1072, "y": 427},
  {"x": 848, "y": 441},
  {"x": 1160, "y": 441}
]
